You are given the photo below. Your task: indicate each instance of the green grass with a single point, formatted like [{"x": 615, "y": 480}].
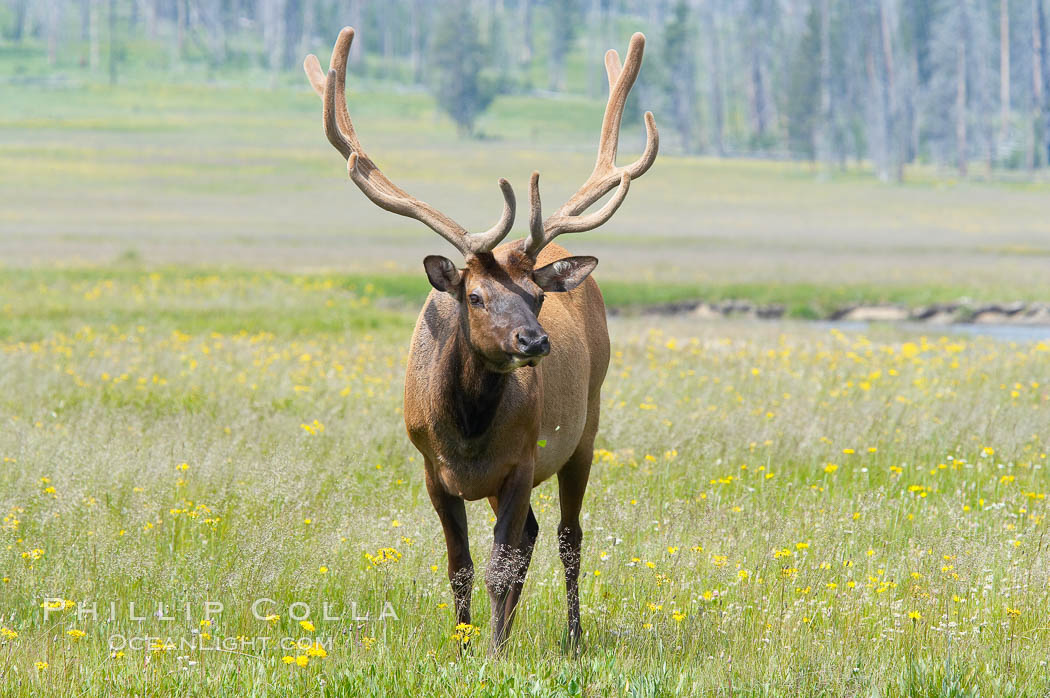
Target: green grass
[
  {"x": 802, "y": 301},
  {"x": 773, "y": 509},
  {"x": 42, "y": 300},
  {"x": 203, "y": 330}
]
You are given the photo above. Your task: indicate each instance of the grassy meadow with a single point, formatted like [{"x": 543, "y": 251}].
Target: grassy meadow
[
  {"x": 232, "y": 173},
  {"x": 774, "y": 509},
  {"x": 203, "y": 329}
]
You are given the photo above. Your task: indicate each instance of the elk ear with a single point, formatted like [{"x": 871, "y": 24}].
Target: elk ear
[
  {"x": 443, "y": 274},
  {"x": 565, "y": 274}
]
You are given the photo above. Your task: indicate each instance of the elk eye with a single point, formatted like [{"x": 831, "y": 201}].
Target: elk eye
[{"x": 475, "y": 300}]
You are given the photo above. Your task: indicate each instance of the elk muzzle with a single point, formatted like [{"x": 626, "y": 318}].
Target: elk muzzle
[
  {"x": 529, "y": 345},
  {"x": 532, "y": 342}
]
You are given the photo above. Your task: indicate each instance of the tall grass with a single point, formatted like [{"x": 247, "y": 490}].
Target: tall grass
[{"x": 775, "y": 510}]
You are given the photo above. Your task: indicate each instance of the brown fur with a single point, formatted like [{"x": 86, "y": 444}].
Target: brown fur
[
  {"x": 441, "y": 372},
  {"x": 478, "y": 430}
]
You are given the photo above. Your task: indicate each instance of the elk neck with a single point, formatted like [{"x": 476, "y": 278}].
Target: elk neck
[{"x": 470, "y": 393}]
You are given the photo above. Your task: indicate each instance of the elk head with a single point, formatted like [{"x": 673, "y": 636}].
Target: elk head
[
  {"x": 500, "y": 289},
  {"x": 500, "y": 295}
]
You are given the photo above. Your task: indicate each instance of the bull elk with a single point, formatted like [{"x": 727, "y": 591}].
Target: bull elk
[{"x": 479, "y": 402}]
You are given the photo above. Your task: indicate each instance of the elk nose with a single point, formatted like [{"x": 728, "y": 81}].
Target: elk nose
[{"x": 533, "y": 343}]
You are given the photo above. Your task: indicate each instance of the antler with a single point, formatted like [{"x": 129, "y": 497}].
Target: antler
[
  {"x": 370, "y": 180},
  {"x": 606, "y": 174}
]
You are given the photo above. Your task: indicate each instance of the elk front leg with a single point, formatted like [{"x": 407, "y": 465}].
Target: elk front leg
[
  {"x": 572, "y": 484},
  {"x": 528, "y": 542},
  {"x": 509, "y": 562},
  {"x": 453, "y": 516}
]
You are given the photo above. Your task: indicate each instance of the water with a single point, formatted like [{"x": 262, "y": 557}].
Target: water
[{"x": 1002, "y": 333}]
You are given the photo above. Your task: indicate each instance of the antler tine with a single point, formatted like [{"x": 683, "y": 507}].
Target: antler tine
[
  {"x": 340, "y": 55},
  {"x": 339, "y": 129},
  {"x": 612, "y": 67},
  {"x": 314, "y": 74},
  {"x": 487, "y": 241},
  {"x": 543, "y": 232},
  {"x": 621, "y": 80},
  {"x": 606, "y": 175},
  {"x": 537, "y": 234},
  {"x": 579, "y": 224},
  {"x": 535, "y": 208}
]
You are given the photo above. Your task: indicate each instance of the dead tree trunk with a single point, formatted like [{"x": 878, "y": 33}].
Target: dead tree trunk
[
  {"x": 717, "y": 85},
  {"x": 823, "y": 130},
  {"x": 1037, "y": 148},
  {"x": 94, "y": 48},
  {"x": 1004, "y": 71},
  {"x": 54, "y": 26},
  {"x": 85, "y": 19},
  {"x": 961, "y": 154},
  {"x": 111, "y": 36},
  {"x": 357, "y": 19},
  {"x": 18, "y": 28},
  {"x": 180, "y": 27},
  {"x": 416, "y": 29},
  {"x": 895, "y": 159},
  {"x": 526, "y": 31}
]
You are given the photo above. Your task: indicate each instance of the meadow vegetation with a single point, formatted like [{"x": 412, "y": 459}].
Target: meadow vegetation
[
  {"x": 773, "y": 509},
  {"x": 234, "y": 173},
  {"x": 203, "y": 329}
]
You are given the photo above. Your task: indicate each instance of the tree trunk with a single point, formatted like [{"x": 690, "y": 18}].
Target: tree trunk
[
  {"x": 210, "y": 15},
  {"x": 757, "y": 31},
  {"x": 306, "y": 35},
  {"x": 112, "y": 40},
  {"x": 292, "y": 32},
  {"x": 54, "y": 26},
  {"x": 758, "y": 95},
  {"x": 960, "y": 109},
  {"x": 1032, "y": 151},
  {"x": 387, "y": 36},
  {"x": 717, "y": 99},
  {"x": 94, "y": 47},
  {"x": 149, "y": 9},
  {"x": 418, "y": 7},
  {"x": 526, "y": 31},
  {"x": 277, "y": 32},
  {"x": 180, "y": 27},
  {"x": 357, "y": 19},
  {"x": 18, "y": 27},
  {"x": 823, "y": 127},
  {"x": 892, "y": 104},
  {"x": 1042, "y": 124},
  {"x": 916, "y": 117},
  {"x": 85, "y": 20},
  {"x": 1004, "y": 72},
  {"x": 879, "y": 118},
  {"x": 593, "y": 18}
]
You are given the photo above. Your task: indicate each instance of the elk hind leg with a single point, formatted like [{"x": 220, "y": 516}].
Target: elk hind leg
[{"x": 572, "y": 485}]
